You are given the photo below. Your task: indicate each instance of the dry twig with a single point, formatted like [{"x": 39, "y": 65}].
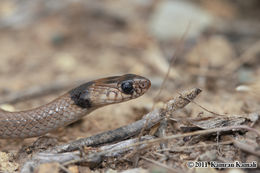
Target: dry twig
[
  {"x": 247, "y": 148},
  {"x": 110, "y": 136}
]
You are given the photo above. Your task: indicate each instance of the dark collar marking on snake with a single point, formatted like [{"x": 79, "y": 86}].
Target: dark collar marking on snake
[{"x": 80, "y": 95}]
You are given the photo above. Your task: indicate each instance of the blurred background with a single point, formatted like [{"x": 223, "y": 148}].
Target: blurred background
[{"x": 50, "y": 46}]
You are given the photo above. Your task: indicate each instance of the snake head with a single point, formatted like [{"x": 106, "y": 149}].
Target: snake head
[
  {"x": 110, "y": 90},
  {"x": 132, "y": 86}
]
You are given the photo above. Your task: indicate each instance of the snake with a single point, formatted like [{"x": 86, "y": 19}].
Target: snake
[{"x": 71, "y": 106}]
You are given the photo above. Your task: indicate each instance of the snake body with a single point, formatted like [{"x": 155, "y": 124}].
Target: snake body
[{"x": 71, "y": 106}]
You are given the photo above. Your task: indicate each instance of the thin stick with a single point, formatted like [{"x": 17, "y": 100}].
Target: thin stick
[
  {"x": 200, "y": 132},
  {"x": 64, "y": 169},
  {"x": 245, "y": 57},
  {"x": 247, "y": 148},
  {"x": 196, "y": 146},
  {"x": 173, "y": 59},
  {"x": 214, "y": 113},
  {"x": 74, "y": 157}
]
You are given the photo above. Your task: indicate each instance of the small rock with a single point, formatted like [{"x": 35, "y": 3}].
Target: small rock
[
  {"x": 111, "y": 171},
  {"x": 171, "y": 18},
  {"x": 207, "y": 52},
  {"x": 6, "y": 165},
  {"x": 245, "y": 75},
  {"x": 209, "y": 156},
  {"x": 7, "y": 107},
  {"x": 65, "y": 62}
]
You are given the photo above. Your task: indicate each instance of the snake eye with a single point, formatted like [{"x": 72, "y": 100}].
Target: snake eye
[{"x": 127, "y": 87}]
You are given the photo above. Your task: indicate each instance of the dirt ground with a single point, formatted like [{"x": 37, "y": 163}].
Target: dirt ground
[{"x": 44, "y": 44}]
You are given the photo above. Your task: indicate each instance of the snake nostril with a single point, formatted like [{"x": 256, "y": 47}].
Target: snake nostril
[{"x": 143, "y": 85}]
